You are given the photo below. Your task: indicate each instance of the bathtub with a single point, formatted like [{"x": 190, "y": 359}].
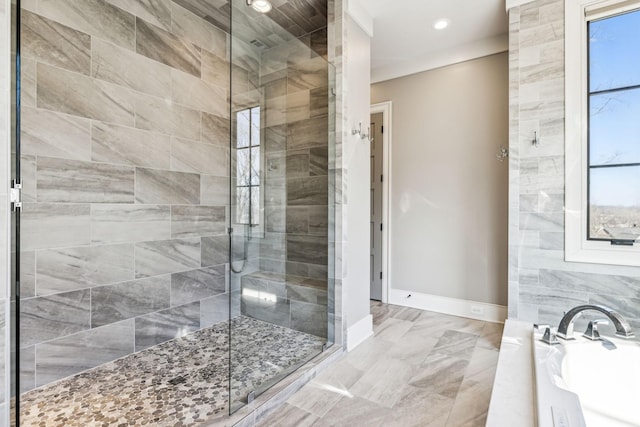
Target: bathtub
[{"x": 587, "y": 383}]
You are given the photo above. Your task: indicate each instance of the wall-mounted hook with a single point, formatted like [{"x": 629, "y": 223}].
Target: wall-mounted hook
[
  {"x": 367, "y": 135},
  {"x": 357, "y": 131},
  {"x": 503, "y": 153},
  {"x": 535, "y": 141}
]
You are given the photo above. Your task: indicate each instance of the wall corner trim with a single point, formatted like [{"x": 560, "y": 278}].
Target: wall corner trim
[
  {"x": 452, "y": 306},
  {"x": 359, "y": 332},
  {"x": 361, "y": 16},
  {"x": 515, "y": 3}
]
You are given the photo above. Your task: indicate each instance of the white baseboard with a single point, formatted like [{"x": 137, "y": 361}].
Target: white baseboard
[
  {"x": 359, "y": 332},
  {"x": 452, "y": 306}
]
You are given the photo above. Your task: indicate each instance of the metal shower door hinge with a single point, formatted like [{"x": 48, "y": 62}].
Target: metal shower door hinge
[
  {"x": 15, "y": 195},
  {"x": 251, "y": 396}
]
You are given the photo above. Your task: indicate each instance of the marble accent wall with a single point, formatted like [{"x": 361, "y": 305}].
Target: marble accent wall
[
  {"x": 125, "y": 130},
  {"x": 294, "y": 76},
  {"x": 541, "y": 284}
]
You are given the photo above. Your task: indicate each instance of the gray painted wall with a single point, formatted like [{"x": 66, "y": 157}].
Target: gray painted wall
[
  {"x": 541, "y": 284},
  {"x": 448, "y": 202}
]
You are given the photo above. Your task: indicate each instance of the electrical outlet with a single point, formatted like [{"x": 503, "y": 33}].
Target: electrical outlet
[{"x": 476, "y": 309}]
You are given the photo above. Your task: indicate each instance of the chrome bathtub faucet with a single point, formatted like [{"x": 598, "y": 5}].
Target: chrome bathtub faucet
[{"x": 565, "y": 329}]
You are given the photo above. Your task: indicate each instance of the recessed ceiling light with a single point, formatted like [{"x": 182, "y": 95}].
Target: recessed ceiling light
[
  {"x": 262, "y": 6},
  {"x": 441, "y": 24}
]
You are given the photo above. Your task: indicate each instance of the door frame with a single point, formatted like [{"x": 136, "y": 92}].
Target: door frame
[{"x": 386, "y": 109}]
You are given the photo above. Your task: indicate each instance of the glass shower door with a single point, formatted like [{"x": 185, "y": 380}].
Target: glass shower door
[{"x": 279, "y": 208}]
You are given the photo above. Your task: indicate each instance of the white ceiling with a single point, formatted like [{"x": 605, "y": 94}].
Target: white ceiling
[{"x": 405, "y": 42}]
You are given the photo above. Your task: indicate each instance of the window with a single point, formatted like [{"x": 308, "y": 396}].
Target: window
[
  {"x": 248, "y": 166},
  {"x": 602, "y": 132}
]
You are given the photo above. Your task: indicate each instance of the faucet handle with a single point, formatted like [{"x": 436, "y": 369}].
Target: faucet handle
[
  {"x": 592, "y": 329},
  {"x": 549, "y": 335}
]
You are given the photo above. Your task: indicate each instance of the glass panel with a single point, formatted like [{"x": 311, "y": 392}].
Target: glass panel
[
  {"x": 255, "y": 126},
  {"x": 243, "y": 126},
  {"x": 242, "y": 205},
  {"x": 255, "y": 166},
  {"x": 614, "y": 128},
  {"x": 243, "y": 169},
  {"x": 614, "y": 44},
  {"x": 270, "y": 334},
  {"x": 614, "y": 203},
  {"x": 255, "y": 205}
]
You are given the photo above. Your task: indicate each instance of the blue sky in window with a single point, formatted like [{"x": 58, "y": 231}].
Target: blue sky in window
[{"x": 614, "y": 62}]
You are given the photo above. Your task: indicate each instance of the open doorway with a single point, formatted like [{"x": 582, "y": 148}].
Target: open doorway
[{"x": 379, "y": 222}]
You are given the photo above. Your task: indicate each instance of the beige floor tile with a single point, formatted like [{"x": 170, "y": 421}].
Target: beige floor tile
[
  {"x": 419, "y": 369},
  {"x": 317, "y": 398},
  {"x": 289, "y": 416},
  {"x": 491, "y": 336},
  {"x": 355, "y": 411},
  {"x": 441, "y": 374},
  {"x": 383, "y": 383},
  {"x": 392, "y": 329},
  {"x": 417, "y": 407}
]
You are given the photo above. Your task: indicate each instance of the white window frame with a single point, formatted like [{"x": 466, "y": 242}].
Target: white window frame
[{"x": 577, "y": 247}]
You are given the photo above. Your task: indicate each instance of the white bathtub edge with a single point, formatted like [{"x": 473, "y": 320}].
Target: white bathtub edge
[{"x": 512, "y": 398}]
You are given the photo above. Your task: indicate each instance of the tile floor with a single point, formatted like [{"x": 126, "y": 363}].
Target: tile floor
[
  {"x": 182, "y": 382},
  {"x": 419, "y": 369}
]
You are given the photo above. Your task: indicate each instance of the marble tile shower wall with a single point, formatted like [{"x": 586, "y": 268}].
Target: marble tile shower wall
[
  {"x": 294, "y": 76},
  {"x": 541, "y": 284},
  {"x": 126, "y": 173}
]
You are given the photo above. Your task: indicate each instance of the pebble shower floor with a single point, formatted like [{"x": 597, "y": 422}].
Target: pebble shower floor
[{"x": 182, "y": 382}]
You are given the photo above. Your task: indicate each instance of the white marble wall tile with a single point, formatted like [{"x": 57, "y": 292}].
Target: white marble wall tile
[
  {"x": 48, "y": 225},
  {"x": 543, "y": 33},
  {"x": 53, "y": 316},
  {"x": 28, "y": 82},
  {"x": 196, "y": 285},
  {"x": 216, "y": 309},
  {"x": 214, "y": 190},
  {"x": 215, "y": 130},
  {"x": 197, "y": 221},
  {"x": 76, "y": 353},
  {"x": 68, "y": 269},
  {"x": 28, "y": 176},
  {"x": 94, "y": 17},
  {"x": 215, "y": 250},
  {"x": 166, "y": 187},
  {"x": 194, "y": 93},
  {"x": 542, "y": 221},
  {"x": 129, "y": 146},
  {"x": 86, "y": 97},
  {"x": 552, "y": 240},
  {"x": 74, "y": 181},
  {"x": 51, "y": 134},
  {"x": 27, "y": 274},
  {"x": 54, "y": 44},
  {"x": 164, "y": 325},
  {"x": 167, "y": 256},
  {"x": 196, "y": 157},
  {"x": 198, "y": 31},
  {"x": 113, "y": 303},
  {"x": 167, "y": 48},
  {"x": 127, "y": 223},
  {"x": 159, "y": 115},
  {"x": 215, "y": 70},
  {"x": 298, "y": 106},
  {"x": 620, "y": 286},
  {"x": 157, "y": 12},
  {"x": 117, "y": 65},
  {"x": 551, "y": 298}
]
